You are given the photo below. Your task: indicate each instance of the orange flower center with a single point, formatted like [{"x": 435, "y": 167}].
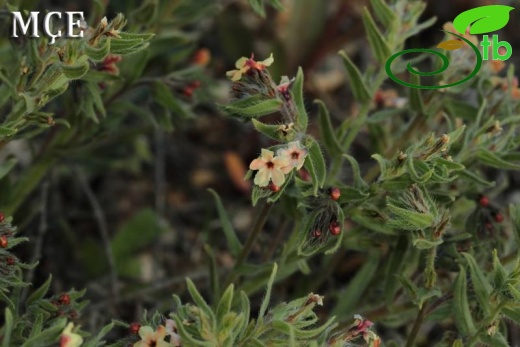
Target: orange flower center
[
  {"x": 269, "y": 164},
  {"x": 295, "y": 155}
]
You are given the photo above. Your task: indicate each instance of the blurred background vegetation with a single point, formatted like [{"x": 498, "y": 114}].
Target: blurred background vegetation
[{"x": 128, "y": 181}]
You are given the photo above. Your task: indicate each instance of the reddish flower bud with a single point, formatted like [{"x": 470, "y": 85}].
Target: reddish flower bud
[
  {"x": 499, "y": 218},
  {"x": 2, "y": 217},
  {"x": 64, "y": 299},
  {"x": 489, "y": 226},
  {"x": 316, "y": 233},
  {"x": 484, "y": 201},
  {"x": 334, "y": 193},
  {"x": 187, "y": 91},
  {"x": 10, "y": 261},
  {"x": 202, "y": 57},
  {"x": 73, "y": 315},
  {"x": 195, "y": 84},
  {"x": 273, "y": 187},
  {"x": 304, "y": 175},
  {"x": 335, "y": 228},
  {"x": 3, "y": 241},
  {"x": 134, "y": 328}
]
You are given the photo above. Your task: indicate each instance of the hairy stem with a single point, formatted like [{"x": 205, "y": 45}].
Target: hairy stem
[
  {"x": 260, "y": 220},
  {"x": 416, "y": 326}
]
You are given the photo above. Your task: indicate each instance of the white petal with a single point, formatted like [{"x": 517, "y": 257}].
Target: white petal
[
  {"x": 268, "y": 61},
  {"x": 262, "y": 177},
  {"x": 278, "y": 177},
  {"x": 241, "y": 62},
  {"x": 257, "y": 164},
  {"x": 267, "y": 155}
]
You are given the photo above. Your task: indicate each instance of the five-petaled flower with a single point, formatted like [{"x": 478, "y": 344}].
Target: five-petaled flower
[
  {"x": 70, "y": 339},
  {"x": 296, "y": 155},
  {"x": 244, "y": 64},
  {"x": 151, "y": 338},
  {"x": 269, "y": 168}
]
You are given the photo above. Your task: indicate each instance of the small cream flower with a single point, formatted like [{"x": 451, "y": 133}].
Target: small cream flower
[
  {"x": 295, "y": 153},
  {"x": 150, "y": 338},
  {"x": 70, "y": 339},
  {"x": 244, "y": 64},
  {"x": 171, "y": 329},
  {"x": 269, "y": 168}
]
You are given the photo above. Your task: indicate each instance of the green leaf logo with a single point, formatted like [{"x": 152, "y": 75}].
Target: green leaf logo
[{"x": 483, "y": 19}]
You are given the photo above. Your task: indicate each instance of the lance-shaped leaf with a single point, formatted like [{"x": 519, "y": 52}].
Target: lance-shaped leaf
[
  {"x": 375, "y": 38},
  {"x": 491, "y": 159},
  {"x": 267, "y": 297},
  {"x": 383, "y": 12},
  {"x": 514, "y": 212},
  {"x": 416, "y": 100},
  {"x": 461, "y": 311},
  {"x": 302, "y": 119},
  {"x": 250, "y": 108},
  {"x": 483, "y": 19},
  {"x": 100, "y": 51},
  {"x": 481, "y": 286},
  {"x": 351, "y": 296},
  {"x": 7, "y": 166},
  {"x": 357, "y": 84},
  {"x": 39, "y": 293},
  {"x": 315, "y": 165},
  {"x": 224, "y": 305},
  {"x": 274, "y": 131},
  {"x": 358, "y": 180},
  {"x": 232, "y": 240},
  {"x": 328, "y": 136},
  {"x": 409, "y": 220}
]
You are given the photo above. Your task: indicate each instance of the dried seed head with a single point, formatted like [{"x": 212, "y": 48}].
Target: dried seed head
[
  {"x": 315, "y": 298},
  {"x": 401, "y": 157}
]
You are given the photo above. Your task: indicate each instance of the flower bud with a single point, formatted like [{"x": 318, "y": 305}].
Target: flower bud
[
  {"x": 499, "y": 218},
  {"x": 335, "y": 193},
  {"x": 3, "y": 241},
  {"x": 335, "y": 228},
  {"x": 64, "y": 299},
  {"x": 484, "y": 201},
  {"x": 134, "y": 328},
  {"x": 2, "y": 217},
  {"x": 273, "y": 187}
]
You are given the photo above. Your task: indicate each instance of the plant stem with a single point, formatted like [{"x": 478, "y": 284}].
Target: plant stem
[
  {"x": 261, "y": 217},
  {"x": 416, "y": 326}
]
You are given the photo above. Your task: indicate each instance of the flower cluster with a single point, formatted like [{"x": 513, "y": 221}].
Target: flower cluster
[
  {"x": 360, "y": 328},
  {"x": 244, "y": 64},
  {"x": 273, "y": 168},
  {"x": 158, "y": 337}
]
